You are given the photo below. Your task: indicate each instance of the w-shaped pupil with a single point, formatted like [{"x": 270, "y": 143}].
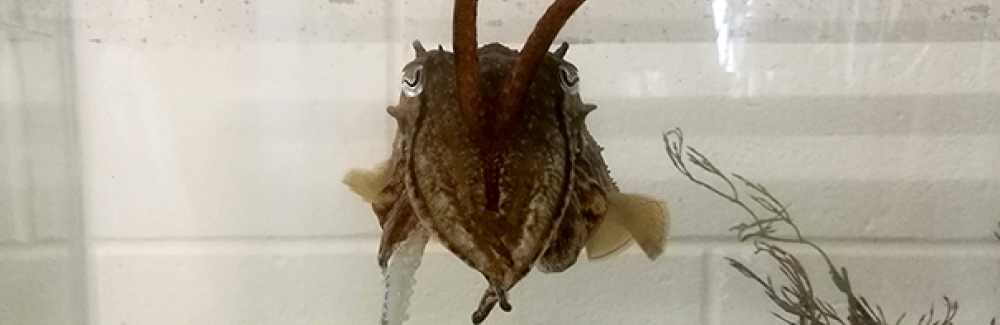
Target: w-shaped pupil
[
  {"x": 568, "y": 78},
  {"x": 412, "y": 82}
]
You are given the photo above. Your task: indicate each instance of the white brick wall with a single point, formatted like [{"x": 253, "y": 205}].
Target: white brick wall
[{"x": 215, "y": 133}]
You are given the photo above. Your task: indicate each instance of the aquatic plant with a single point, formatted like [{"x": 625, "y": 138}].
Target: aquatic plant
[{"x": 769, "y": 230}]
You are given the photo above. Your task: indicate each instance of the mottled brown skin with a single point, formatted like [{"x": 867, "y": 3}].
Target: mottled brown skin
[{"x": 503, "y": 197}]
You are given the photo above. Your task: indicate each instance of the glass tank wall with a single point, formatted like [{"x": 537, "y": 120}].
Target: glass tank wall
[
  {"x": 42, "y": 265},
  {"x": 181, "y": 162}
]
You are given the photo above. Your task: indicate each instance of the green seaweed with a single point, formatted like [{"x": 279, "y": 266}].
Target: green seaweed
[{"x": 773, "y": 228}]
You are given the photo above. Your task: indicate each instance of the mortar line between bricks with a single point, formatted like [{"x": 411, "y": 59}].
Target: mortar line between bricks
[
  {"x": 674, "y": 240},
  {"x": 363, "y": 245},
  {"x": 33, "y": 251}
]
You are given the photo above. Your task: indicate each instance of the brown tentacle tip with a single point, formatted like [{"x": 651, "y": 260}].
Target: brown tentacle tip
[
  {"x": 504, "y": 304},
  {"x": 485, "y": 307},
  {"x": 479, "y": 316},
  {"x": 489, "y": 300},
  {"x": 501, "y": 296}
]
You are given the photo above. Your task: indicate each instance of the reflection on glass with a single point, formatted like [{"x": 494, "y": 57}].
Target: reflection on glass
[{"x": 730, "y": 16}]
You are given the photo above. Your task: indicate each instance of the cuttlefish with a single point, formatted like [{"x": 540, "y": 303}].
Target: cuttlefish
[{"x": 493, "y": 159}]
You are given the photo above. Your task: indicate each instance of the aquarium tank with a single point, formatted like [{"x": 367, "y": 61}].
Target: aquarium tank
[{"x": 393, "y": 162}]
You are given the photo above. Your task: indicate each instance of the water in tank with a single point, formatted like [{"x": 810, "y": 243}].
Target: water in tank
[{"x": 499, "y": 162}]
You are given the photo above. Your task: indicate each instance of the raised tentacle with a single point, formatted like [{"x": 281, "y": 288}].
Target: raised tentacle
[
  {"x": 534, "y": 50},
  {"x": 466, "y": 58}
]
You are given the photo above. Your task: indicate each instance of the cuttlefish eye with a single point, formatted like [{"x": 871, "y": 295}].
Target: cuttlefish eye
[
  {"x": 412, "y": 83},
  {"x": 568, "y": 78}
]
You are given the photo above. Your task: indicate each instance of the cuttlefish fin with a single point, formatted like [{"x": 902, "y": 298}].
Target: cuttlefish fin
[
  {"x": 368, "y": 183},
  {"x": 631, "y": 217},
  {"x": 608, "y": 240}
]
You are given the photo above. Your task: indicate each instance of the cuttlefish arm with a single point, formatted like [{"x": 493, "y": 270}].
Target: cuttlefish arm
[
  {"x": 399, "y": 277},
  {"x": 402, "y": 242},
  {"x": 382, "y": 187},
  {"x": 626, "y": 218}
]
